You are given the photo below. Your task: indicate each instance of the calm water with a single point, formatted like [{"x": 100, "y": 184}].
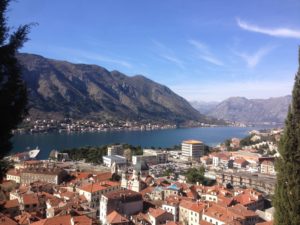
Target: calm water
[{"x": 157, "y": 138}]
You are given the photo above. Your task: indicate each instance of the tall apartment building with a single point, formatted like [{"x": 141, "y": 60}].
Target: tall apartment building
[
  {"x": 115, "y": 150},
  {"x": 192, "y": 150}
]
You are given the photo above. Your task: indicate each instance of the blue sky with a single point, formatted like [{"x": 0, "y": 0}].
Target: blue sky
[{"x": 204, "y": 50}]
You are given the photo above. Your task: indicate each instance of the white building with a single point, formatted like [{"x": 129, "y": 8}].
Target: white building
[
  {"x": 109, "y": 160},
  {"x": 192, "y": 150},
  {"x": 151, "y": 156},
  {"x": 115, "y": 150},
  {"x": 14, "y": 175}
]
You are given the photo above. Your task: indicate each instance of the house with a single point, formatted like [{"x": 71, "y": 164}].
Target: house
[
  {"x": 240, "y": 163},
  {"x": 11, "y": 208},
  {"x": 115, "y": 218},
  {"x": 221, "y": 159},
  {"x": 250, "y": 199},
  {"x": 92, "y": 192},
  {"x": 220, "y": 215},
  {"x": 30, "y": 203},
  {"x": 125, "y": 202},
  {"x": 171, "y": 205},
  {"x": 159, "y": 216},
  {"x": 65, "y": 220},
  {"x": 190, "y": 212},
  {"x": 4, "y": 220},
  {"x": 267, "y": 166}
]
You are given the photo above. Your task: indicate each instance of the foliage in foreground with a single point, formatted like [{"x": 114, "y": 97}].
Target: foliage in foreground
[
  {"x": 287, "y": 192},
  {"x": 13, "y": 92}
]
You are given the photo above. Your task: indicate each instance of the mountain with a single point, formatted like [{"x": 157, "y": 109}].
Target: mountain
[
  {"x": 253, "y": 111},
  {"x": 59, "y": 88},
  {"x": 204, "y": 107}
]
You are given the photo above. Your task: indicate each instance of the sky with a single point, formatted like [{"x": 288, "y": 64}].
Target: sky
[{"x": 204, "y": 50}]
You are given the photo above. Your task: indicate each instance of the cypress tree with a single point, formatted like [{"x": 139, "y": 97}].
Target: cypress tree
[
  {"x": 287, "y": 191},
  {"x": 13, "y": 93}
]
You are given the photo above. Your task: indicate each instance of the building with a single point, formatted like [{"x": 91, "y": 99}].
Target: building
[
  {"x": 221, "y": 159},
  {"x": 267, "y": 166},
  {"x": 115, "y": 218},
  {"x": 125, "y": 202},
  {"x": 151, "y": 156},
  {"x": 240, "y": 163},
  {"x": 159, "y": 216},
  {"x": 110, "y": 160},
  {"x": 115, "y": 150},
  {"x": 50, "y": 175},
  {"x": 134, "y": 182},
  {"x": 65, "y": 220},
  {"x": 14, "y": 175},
  {"x": 190, "y": 212},
  {"x": 11, "y": 208},
  {"x": 171, "y": 205},
  {"x": 221, "y": 215},
  {"x": 92, "y": 192},
  {"x": 251, "y": 157},
  {"x": 264, "y": 183},
  {"x": 192, "y": 150},
  {"x": 251, "y": 199},
  {"x": 30, "y": 203}
]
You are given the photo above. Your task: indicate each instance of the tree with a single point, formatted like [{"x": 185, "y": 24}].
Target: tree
[
  {"x": 287, "y": 191},
  {"x": 13, "y": 92},
  {"x": 195, "y": 175}
]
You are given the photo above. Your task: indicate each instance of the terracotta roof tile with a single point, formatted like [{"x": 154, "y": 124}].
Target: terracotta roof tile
[
  {"x": 156, "y": 212},
  {"x": 30, "y": 199},
  {"x": 4, "y": 220},
  {"x": 11, "y": 204},
  {"x": 115, "y": 218}
]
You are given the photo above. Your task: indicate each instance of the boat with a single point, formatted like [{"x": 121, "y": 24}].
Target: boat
[{"x": 23, "y": 156}]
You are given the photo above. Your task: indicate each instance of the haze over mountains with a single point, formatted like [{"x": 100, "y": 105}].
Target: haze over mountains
[
  {"x": 59, "y": 88},
  {"x": 240, "y": 109}
]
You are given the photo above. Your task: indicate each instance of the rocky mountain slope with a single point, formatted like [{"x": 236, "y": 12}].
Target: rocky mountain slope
[
  {"x": 59, "y": 88},
  {"x": 245, "y": 110}
]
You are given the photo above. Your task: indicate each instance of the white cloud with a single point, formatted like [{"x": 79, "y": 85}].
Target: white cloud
[
  {"x": 173, "y": 59},
  {"x": 277, "y": 32},
  {"x": 84, "y": 56},
  {"x": 219, "y": 91},
  {"x": 167, "y": 54},
  {"x": 255, "y": 58},
  {"x": 204, "y": 53}
]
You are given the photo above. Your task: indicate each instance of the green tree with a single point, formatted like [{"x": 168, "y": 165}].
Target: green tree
[
  {"x": 287, "y": 192},
  {"x": 13, "y": 93},
  {"x": 195, "y": 175}
]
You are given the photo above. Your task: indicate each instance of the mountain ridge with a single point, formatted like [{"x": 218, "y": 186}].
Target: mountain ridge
[
  {"x": 59, "y": 88},
  {"x": 244, "y": 110}
]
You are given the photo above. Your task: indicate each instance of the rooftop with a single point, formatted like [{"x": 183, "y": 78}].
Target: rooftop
[
  {"x": 115, "y": 218},
  {"x": 124, "y": 195},
  {"x": 192, "y": 142}
]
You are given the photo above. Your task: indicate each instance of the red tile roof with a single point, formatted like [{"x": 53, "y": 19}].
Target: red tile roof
[
  {"x": 82, "y": 220},
  {"x": 194, "y": 206},
  {"x": 11, "y": 204},
  {"x": 92, "y": 188},
  {"x": 156, "y": 212},
  {"x": 30, "y": 199},
  {"x": 4, "y": 220},
  {"x": 116, "y": 218}
]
